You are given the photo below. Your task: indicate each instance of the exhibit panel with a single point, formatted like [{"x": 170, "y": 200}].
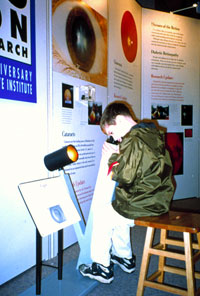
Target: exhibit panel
[
  {"x": 170, "y": 90},
  {"x": 124, "y": 53},
  {"x": 79, "y": 93}
]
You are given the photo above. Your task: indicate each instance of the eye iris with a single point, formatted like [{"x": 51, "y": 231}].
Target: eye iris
[{"x": 80, "y": 37}]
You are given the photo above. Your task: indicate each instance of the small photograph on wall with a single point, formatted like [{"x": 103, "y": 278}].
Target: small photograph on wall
[
  {"x": 186, "y": 114},
  {"x": 159, "y": 111},
  {"x": 94, "y": 112},
  {"x": 67, "y": 96},
  {"x": 174, "y": 144},
  {"x": 87, "y": 92},
  {"x": 188, "y": 133}
]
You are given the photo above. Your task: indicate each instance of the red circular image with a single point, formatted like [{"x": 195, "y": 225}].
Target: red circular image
[
  {"x": 174, "y": 143},
  {"x": 129, "y": 36}
]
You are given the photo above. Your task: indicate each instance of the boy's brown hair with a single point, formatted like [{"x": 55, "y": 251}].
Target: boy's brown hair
[{"x": 112, "y": 110}]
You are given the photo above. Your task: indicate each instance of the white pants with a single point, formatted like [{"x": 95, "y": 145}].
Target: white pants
[{"x": 111, "y": 231}]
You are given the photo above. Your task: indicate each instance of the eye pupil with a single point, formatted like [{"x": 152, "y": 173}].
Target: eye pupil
[{"x": 80, "y": 39}]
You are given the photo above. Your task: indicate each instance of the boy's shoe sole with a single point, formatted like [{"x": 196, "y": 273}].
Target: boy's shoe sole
[
  {"x": 121, "y": 261},
  {"x": 87, "y": 271}
]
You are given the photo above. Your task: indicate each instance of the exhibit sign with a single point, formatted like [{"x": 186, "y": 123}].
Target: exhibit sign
[
  {"x": 49, "y": 204},
  {"x": 17, "y": 51},
  {"x": 124, "y": 53},
  {"x": 170, "y": 90},
  {"x": 79, "y": 96}
]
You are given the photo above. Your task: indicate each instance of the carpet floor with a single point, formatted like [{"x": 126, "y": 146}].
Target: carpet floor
[{"x": 123, "y": 284}]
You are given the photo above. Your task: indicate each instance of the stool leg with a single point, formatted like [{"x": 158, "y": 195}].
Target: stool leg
[
  {"x": 145, "y": 260},
  {"x": 198, "y": 239},
  {"x": 189, "y": 263},
  {"x": 162, "y": 259}
]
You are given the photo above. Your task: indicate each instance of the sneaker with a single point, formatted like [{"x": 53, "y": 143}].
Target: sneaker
[
  {"x": 127, "y": 265},
  {"x": 97, "y": 272}
]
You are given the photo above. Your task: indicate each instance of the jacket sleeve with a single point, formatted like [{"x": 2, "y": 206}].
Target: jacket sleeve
[{"x": 129, "y": 160}]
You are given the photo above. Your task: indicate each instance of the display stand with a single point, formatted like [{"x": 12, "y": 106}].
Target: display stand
[
  {"x": 60, "y": 254},
  {"x": 39, "y": 263},
  {"x": 51, "y": 213},
  {"x": 67, "y": 202}
]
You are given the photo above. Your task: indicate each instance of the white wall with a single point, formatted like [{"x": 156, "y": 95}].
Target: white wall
[{"x": 23, "y": 132}]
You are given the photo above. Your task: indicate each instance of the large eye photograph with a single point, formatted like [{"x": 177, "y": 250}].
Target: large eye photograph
[{"x": 79, "y": 41}]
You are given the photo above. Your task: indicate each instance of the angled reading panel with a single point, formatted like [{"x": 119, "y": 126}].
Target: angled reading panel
[{"x": 50, "y": 204}]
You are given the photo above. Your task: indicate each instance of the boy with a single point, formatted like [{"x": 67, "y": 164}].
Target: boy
[{"x": 142, "y": 168}]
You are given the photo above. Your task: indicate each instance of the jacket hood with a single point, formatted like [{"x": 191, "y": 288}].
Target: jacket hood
[{"x": 150, "y": 135}]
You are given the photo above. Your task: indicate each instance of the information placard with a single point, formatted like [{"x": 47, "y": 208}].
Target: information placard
[{"x": 49, "y": 203}]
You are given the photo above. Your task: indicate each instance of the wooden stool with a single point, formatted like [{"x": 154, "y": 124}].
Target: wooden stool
[{"x": 188, "y": 224}]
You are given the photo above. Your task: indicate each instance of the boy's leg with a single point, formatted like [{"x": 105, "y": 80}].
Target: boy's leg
[
  {"x": 121, "y": 253},
  {"x": 107, "y": 222},
  {"x": 101, "y": 239},
  {"x": 101, "y": 269},
  {"x": 110, "y": 230},
  {"x": 121, "y": 243}
]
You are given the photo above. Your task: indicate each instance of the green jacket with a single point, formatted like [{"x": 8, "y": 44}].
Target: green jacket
[{"x": 144, "y": 174}]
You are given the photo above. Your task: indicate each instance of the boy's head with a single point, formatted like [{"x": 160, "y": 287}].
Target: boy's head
[{"x": 117, "y": 120}]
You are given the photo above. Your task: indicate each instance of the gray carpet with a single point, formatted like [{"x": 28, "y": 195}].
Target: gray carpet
[{"x": 123, "y": 284}]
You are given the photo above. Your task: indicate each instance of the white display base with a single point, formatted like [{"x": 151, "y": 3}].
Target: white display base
[{"x": 72, "y": 283}]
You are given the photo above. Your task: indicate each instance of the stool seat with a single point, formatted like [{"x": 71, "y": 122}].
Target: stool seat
[
  {"x": 176, "y": 221},
  {"x": 183, "y": 222}
]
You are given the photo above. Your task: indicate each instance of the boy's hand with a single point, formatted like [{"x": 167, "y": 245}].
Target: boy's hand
[{"x": 108, "y": 149}]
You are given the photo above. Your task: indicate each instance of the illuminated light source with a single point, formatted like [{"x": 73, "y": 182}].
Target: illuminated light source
[
  {"x": 197, "y": 5},
  {"x": 60, "y": 158}
]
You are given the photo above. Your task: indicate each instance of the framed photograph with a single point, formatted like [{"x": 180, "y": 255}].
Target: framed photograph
[
  {"x": 174, "y": 144},
  {"x": 186, "y": 114},
  {"x": 94, "y": 112},
  {"x": 67, "y": 96},
  {"x": 159, "y": 111}
]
